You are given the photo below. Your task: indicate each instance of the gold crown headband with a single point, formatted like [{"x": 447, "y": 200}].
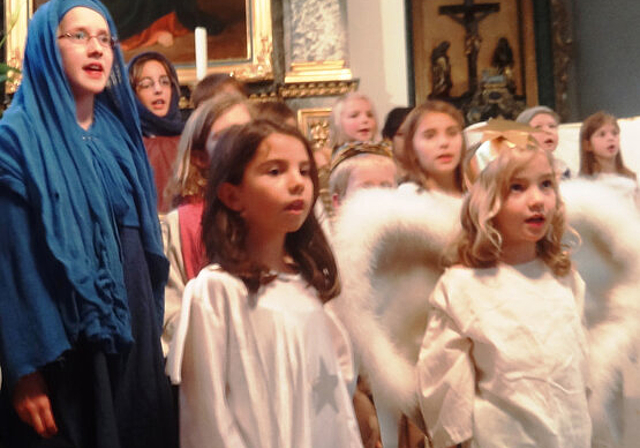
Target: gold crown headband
[
  {"x": 499, "y": 135},
  {"x": 352, "y": 149}
]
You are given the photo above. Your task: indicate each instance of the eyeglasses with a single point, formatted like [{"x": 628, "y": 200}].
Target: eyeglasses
[
  {"x": 148, "y": 83},
  {"x": 82, "y": 37}
]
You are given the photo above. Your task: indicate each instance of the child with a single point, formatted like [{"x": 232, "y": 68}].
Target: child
[
  {"x": 600, "y": 154},
  {"x": 360, "y": 165},
  {"x": 82, "y": 272},
  {"x": 253, "y": 349},
  {"x": 392, "y": 129},
  {"x": 214, "y": 84},
  {"x": 154, "y": 81},
  {"x": 353, "y": 119},
  {"x": 277, "y": 111},
  {"x": 181, "y": 228},
  {"x": 503, "y": 358},
  {"x": 546, "y": 120},
  {"x": 434, "y": 148}
]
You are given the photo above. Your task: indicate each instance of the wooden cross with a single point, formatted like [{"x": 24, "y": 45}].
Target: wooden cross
[{"x": 469, "y": 15}]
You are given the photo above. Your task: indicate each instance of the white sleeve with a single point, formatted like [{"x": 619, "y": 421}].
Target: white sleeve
[
  {"x": 205, "y": 417},
  {"x": 170, "y": 225},
  {"x": 446, "y": 377}
]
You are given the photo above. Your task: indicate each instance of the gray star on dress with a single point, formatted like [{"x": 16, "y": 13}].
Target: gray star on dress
[{"x": 324, "y": 389}]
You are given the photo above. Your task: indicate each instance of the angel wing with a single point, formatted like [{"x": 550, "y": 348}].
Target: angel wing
[
  {"x": 388, "y": 244},
  {"x": 608, "y": 259}
]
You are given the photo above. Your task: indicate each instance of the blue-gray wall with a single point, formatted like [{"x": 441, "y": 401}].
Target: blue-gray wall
[{"x": 607, "y": 57}]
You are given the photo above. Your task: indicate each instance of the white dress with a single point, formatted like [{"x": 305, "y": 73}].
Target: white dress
[
  {"x": 503, "y": 361},
  {"x": 258, "y": 370}
]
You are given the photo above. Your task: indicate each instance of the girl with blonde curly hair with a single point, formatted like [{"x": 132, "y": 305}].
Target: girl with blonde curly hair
[{"x": 503, "y": 357}]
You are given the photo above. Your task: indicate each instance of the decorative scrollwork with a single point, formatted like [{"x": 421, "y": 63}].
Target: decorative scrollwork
[{"x": 562, "y": 43}]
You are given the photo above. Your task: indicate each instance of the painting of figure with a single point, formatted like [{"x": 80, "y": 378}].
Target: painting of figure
[{"x": 167, "y": 26}]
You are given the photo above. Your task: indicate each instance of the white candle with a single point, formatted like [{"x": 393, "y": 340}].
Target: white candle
[{"x": 201, "y": 52}]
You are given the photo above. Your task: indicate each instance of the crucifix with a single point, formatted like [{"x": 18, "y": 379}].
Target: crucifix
[{"x": 469, "y": 15}]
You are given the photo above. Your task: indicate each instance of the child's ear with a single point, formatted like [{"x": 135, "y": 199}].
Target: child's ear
[{"x": 230, "y": 196}]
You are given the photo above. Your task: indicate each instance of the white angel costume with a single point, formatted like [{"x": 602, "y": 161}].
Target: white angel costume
[
  {"x": 503, "y": 361},
  {"x": 258, "y": 370},
  {"x": 389, "y": 244}
]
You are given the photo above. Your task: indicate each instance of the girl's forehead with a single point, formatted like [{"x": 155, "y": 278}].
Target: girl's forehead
[
  {"x": 543, "y": 116},
  {"x": 609, "y": 125},
  {"x": 434, "y": 118},
  {"x": 357, "y": 102},
  {"x": 81, "y": 16},
  {"x": 536, "y": 163}
]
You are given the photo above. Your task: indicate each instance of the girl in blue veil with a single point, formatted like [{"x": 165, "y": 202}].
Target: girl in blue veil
[{"x": 82, "y": 272}]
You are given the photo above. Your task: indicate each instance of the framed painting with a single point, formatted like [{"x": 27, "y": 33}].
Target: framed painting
[
  {"x": 472, "y": 40},
  {"x": 239, "y": 33}
]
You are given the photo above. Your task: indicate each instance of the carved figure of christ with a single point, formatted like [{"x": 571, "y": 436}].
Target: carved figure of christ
[{"x": 469, "y": 15}]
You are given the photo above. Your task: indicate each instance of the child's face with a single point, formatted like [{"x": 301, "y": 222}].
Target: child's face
[
  {"x": 357, "y": 120},
  {"x": 87, "y": 65},
  {"x": 437, "y": 143},
  {"x": 367, "y": 175},
  {"x": 527, "y": 210},
  {"x": 153, "y": 89},
  {"x": 605, "y": 142},
  {"x": 276, "y": 192},
  {"x": 547, "y": 137}
]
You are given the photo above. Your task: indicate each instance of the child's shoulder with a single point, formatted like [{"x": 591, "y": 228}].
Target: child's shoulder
[{"x": 213, "y": 279}]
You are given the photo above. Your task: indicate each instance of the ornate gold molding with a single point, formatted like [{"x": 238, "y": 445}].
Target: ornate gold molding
[
  {"x": 326, "y": 88},
  {"x": 318, "y": 71},
  {"x": 562, "y": 44},
  {"x": 256, "y": 67}
]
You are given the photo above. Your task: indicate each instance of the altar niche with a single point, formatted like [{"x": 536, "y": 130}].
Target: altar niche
[{"x": 468, "y": 51}]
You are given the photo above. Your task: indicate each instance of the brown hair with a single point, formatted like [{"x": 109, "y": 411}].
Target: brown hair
[
  {"x": 224, "y": 231},
  {"x": 135, "y": 70},
  {"x": 479, "y": 243},
  {"x": 192, "y": 161},
  {"x": 214, "y": 84},
  {"x": 276, "y": 111},
  {"x": 408, "y": 159},
  {"x": 588, "y": 162}
]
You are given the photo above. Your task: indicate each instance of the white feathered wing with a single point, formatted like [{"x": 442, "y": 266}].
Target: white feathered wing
[{"x": 388, "y": 244}]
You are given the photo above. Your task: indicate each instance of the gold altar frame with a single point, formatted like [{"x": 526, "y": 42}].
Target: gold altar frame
[
  {"x": 429, "y": 29},
  {"x": 256, "y": 67}
]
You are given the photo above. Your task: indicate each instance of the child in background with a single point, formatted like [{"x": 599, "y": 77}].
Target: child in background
[
  {"x": 214, "y": 84},
  {"x": 433, "y": 148},
  {"x": 360, "y": 165},
  {"x": 546, "y": 120},
  {"x": 276, "y": 111},
  {"x": 253, "y": 350},
  {"x": 353, "y": 119},
  {"x": 503, "y": 359},
  {"x": 600, "y": 155},
  {"x": 392, "y": 130},
  {"x": 155, "y": 83},
  {"x": 181, "y": 229}
]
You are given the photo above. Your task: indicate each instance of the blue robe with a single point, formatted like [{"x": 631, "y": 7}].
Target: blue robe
[{"x": 81, "y": 265}]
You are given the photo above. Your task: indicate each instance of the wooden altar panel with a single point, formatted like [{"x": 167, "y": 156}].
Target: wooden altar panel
[{"x": 514, "y": 21}]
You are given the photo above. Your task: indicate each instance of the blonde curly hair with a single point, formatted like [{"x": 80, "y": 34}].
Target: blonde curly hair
[{"x": 479, "y": 243}]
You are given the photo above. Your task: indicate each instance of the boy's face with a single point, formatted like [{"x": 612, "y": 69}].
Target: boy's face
[
  {"x": 547, "y": 135},
  {"x": 371, "y": 175}
]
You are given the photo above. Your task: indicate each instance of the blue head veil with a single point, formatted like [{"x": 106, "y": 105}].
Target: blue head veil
[
  {"x": 43, "y": 159},
  {"x": 153, "y": 125}
]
